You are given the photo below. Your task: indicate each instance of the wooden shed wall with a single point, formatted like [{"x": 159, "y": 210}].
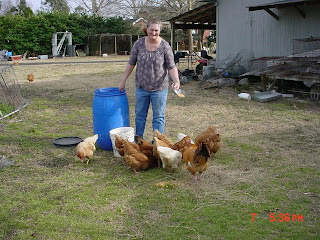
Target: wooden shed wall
[{"x": 257, "y": 34}]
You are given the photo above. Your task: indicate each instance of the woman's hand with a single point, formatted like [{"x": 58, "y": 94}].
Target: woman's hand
[
  {"x": 175, "y": 85},
  {"x": 122, "y": 86},
  {"x": 175, "y": 78},
  {"x": 126, "y": 74}
]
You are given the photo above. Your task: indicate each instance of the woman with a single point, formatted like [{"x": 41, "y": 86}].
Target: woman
[{"x": 154, "y": 59}]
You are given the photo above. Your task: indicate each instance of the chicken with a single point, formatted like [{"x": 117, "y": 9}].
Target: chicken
[
  {"x": 86, "y": 148},
  {"x": 119, "y": 143},
  {"x": 180, "y": 136},
  {"x": 92, "y": 139},
  {"x": 170, "y": 158},
  {"x": 196, "y": 159},
  {"x": 135, "y": 158},
  {"x": 163, "y": 138},
  {"x": 30, "y": 77},
  {"x": 146, "y": 148},
  {"x": 156, "y": 143},
  {"x": 214, "y": 143},
  {"x": 183, "y": 144},
  {"x": 210, "y": 131},
  {"x": 197, "y": 155},
  {"x": 211, "y": 138}
]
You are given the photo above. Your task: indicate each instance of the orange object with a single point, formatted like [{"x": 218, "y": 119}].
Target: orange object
[{"x": 16, "y": 58}]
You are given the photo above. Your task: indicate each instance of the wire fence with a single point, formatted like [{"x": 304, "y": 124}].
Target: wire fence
[{"x": 11, "y": 100}]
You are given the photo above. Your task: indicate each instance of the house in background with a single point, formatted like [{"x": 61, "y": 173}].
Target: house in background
[{"x": 141, "y": 22}]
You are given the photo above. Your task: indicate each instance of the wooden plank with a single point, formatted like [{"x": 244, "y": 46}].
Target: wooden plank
[
  {"x": 272, "y": 85},
  {"x": 263, "y": 82},
  {"x": 300, "y": 11},
  {"x": 271, "y": 13},
  {"x": 194, "y": 26}
]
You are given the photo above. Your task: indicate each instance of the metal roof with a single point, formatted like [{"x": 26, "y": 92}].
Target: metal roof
[
  {"x": 203, "y": 14},
  {"x": 281, "y": 4},
  {"x": 203, "y": 17}
]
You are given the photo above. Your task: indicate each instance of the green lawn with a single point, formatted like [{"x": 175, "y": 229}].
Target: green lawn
[{"x": 269, "y": 164}]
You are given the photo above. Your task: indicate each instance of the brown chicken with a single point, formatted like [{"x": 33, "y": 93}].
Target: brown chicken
[
  {"x": 163, "y": 138},
  {"x": 30, "y": 77},
  {"x": 197, "y": 155},
  {"x": 119, "y": 143},
  {"x": 211, "y": 138},
  {"x": 135, "y": 159},
  {"x": 146, "y": 148},
  {"x": 196, "y": 159},
  {"x": 214, "y": 143},
  {"x": 183, "y": 144}
]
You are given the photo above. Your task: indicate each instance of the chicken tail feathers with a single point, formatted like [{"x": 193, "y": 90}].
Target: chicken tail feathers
[{"x": 202, "y": 150}]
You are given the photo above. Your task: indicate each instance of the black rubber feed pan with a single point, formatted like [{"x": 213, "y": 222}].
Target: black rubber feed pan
[{"x": 66, "y": 141}]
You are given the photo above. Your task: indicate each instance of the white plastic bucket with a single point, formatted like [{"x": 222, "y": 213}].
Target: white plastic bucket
[
  {"x": 246, "y": 96},
  {"x": 126, "y": 133}
]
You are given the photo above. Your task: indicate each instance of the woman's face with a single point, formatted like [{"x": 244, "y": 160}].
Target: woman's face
[{"x": 153, "y": 31}]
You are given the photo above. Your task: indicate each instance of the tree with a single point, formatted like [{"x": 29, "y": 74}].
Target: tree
[
  {"x": 5, "y": 7},
  {"x": 162, "y": 9},
  {"x": 80, "y": 11},
  {"x": 133, "y": 8},
  {"x": 171, "y": 8},
  {"x": 117, "y": 25},
  {"x": 57, "y": 5},
  {"x": 98, "y": 7},
  {"x": 21, "y": 8}
]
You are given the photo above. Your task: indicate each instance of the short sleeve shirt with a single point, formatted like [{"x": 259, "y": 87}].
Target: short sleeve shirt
[{"x": 152, "y": 66}]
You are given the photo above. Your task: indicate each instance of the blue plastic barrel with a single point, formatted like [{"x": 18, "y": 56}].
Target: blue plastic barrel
[{"x": 110, "y": 109}]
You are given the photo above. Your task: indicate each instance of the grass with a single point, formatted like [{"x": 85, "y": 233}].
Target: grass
[
  {"x": 5, "y": 109},
  {"x": 269, "y": 164}
]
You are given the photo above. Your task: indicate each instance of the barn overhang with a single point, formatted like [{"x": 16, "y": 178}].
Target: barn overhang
[
  {"x": 203, "y": 18},
  {"x": 283, "y": 4}
]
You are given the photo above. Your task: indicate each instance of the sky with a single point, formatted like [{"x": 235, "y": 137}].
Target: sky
[{"x": 34, "y": 4}]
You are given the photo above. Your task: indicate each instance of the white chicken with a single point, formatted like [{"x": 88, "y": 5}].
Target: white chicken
[
  {"x": 92, "y": 139},
  {"x": 86, "y": 148},
  {"x": 170, "y": 158},
  {"x": 182, "y": 135}
]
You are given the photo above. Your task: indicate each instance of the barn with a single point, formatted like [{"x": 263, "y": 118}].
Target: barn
[{"x": 259, "y": 33}]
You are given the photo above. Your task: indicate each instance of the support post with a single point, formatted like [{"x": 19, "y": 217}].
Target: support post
[
  {"x": 54, "y": 44},
  {"x": 263, "y": 82},
  {"x": 173, "y": 36},
  {"x": 100, "y": 48},
  {"x": 115, "y": 45}
]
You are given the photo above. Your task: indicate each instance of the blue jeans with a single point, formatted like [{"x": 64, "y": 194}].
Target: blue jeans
[{"x": 158, "y": 102}]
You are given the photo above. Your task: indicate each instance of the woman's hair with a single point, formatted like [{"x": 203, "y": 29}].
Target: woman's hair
[{"x": 154, "y": 21}]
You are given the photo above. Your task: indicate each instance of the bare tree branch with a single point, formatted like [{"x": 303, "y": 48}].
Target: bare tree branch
[{"x": 97, "y": 7}]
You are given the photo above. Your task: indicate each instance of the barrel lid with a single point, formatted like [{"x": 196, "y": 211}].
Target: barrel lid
[
  {"x": 66, "y": 141},
  {"x": 106, "y": 92}
]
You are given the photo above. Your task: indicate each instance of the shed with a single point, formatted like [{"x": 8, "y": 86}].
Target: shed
[
  {"x": 253, "y": 28},
  {"x": 264, "y": 28},
  {"x": 203, "y": 17}
]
